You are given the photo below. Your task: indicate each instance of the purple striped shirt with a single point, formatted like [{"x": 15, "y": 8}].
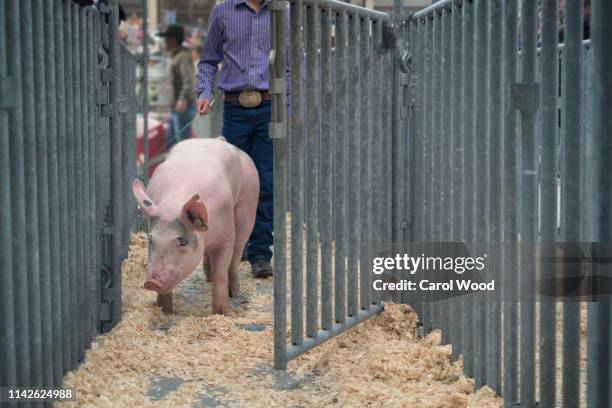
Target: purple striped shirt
[{"x": 240, "y": 39}]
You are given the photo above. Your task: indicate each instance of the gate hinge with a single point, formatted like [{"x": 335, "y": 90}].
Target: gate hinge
[
  {"x": 524, "y": 96},
  {"x": 107, "y": 229},
  {"x": 106, "y": 75},
  {"x": 277, "y": 86},
  {"x": 9, "y": 89},
  {"x": 104, "y": 312},
  {"x": 122, "y": 104},
  {"x": 102, "y": 95}
]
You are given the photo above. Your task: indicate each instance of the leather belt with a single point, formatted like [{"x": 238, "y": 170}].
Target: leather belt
[{"x": 250, "y": 98}]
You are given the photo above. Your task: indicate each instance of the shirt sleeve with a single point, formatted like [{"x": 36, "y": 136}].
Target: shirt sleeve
[{"x": 212, "y": 55}]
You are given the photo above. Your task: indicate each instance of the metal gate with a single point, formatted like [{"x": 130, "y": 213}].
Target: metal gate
[
  {"x": 67, "y": 148},
  {"x": 511, "y": 147},
  {"x": 330, "y": 165}
]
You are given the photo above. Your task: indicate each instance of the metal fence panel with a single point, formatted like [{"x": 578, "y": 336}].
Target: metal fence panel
[
  {"x": 336, "y": 145},
  {"x": 52, "y": 183},
  {"x": 522, "y": 181}
]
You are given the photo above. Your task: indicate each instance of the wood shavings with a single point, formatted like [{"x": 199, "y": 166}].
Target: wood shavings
[{"x": 379, "y": 363}]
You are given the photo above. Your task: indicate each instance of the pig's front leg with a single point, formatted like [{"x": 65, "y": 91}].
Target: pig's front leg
[
  {"x": 206, "y": 267},
  {"x": 220, "y": 261},
  {"x": 165, "y": 301}
]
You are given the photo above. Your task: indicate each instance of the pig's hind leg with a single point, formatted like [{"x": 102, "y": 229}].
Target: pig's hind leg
[
  {"x": 207, "y": 268},
  {"x": 243, "y": 231}
]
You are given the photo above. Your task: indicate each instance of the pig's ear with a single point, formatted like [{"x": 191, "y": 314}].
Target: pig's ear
[
  {"x": 194, "y": 214},
  {"x": 146, "y": 204}
]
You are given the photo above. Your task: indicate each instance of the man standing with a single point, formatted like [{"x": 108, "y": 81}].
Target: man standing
[
  {"x": 181, "y": 76},
  {"x": 239, "y": 38}
]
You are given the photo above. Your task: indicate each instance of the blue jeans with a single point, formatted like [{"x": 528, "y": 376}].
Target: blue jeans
[
  {"x": 179, "y": 126},
  {"x": 247, "y": 129}
]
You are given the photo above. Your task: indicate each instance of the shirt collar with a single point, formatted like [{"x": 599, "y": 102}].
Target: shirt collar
[{"x": 244, "y": 2}]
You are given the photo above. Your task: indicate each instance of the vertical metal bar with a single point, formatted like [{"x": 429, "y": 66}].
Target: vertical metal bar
[
  {"x": 145, "y": 90},
  {"x": 457, "y": 160},
  {"x": 18, "y": 201},
  {"x": 467, "y": 135},
  {"x": 377, "y": 139},
  {"x": 313, "y": 40},
  {"x": 115, "y": 165},
  {"x": 340, "y": 166},
  {"x": 8, "y": 329},
  {"x": 365, "y": 149},
  {"x": 69, "y": 146},
  {"x": 297, "y": 175},
  {"x": 570, "y": 187},
  {"x": 29, "y": 151},
  {"x": 92, "y": 83},
  {"x": 53, "y": 189},
  {"x": 73, "y": 146},
  {"x": 528, "y": 209},
  {"x": 126, "y": 60},
  {"x": 549, "y": 89},
  {"x": 353, "y": 167},
  {"x": 85, "y": 167},
  {"x": 446, "y": 305},
  {"x": 598, "y": 148},
  {"x": 31, "y": 242},
  {"x": 396, "y": 210},
  {"x": 481, "y": 143},
  {"x": 494, "y": 129},
  {"x": 279, "y": 113},
  {"x": 61, "y": 16},
  {"x": 510, "y": 206},
  {"x": 417, "y": 178},
  {"x": 78, "y": 186},
  {"x": 42, "y": 134},
  {"x": 326, "y": 176},
  {"x": 428, "y": 120},
  {"x": 436, "y": 150},
  {"x": 420, "y": 144}
]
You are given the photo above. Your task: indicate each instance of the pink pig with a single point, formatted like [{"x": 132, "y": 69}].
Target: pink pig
[{"x": 201, "y": 202}]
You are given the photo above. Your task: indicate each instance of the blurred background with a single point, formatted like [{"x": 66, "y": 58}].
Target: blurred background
[{"x": 193, "y": 16}]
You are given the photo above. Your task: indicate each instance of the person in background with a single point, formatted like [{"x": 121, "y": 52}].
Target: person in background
[
  {"x": 196, "y": 47},
  {"x": 169, "y": 9},
  {"x": 181, "y": 76},
  {"x": 199, "y": 31},
  {"x": 239, "y": 38}
]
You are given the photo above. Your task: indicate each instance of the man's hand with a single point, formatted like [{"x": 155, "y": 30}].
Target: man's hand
[
  {"x": 181, "y": 106},
  {"x": 204, "y": 106}
]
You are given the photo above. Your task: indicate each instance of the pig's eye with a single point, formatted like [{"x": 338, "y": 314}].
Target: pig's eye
[{"x": 182, "y": 242}]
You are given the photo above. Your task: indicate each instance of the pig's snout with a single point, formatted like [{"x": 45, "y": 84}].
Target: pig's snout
[{"x": 154, "y": 285}]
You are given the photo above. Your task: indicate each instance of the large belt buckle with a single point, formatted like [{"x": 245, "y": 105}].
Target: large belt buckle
[{"x": 249, "y": 98}]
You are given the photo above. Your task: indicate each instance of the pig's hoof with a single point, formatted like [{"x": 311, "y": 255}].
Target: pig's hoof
[
  {"x": 234, "y": 292},
  {"x": 166, "y": 303}
]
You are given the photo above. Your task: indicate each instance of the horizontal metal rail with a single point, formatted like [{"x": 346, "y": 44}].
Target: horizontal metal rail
[{"x": 351, "y": 9}]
